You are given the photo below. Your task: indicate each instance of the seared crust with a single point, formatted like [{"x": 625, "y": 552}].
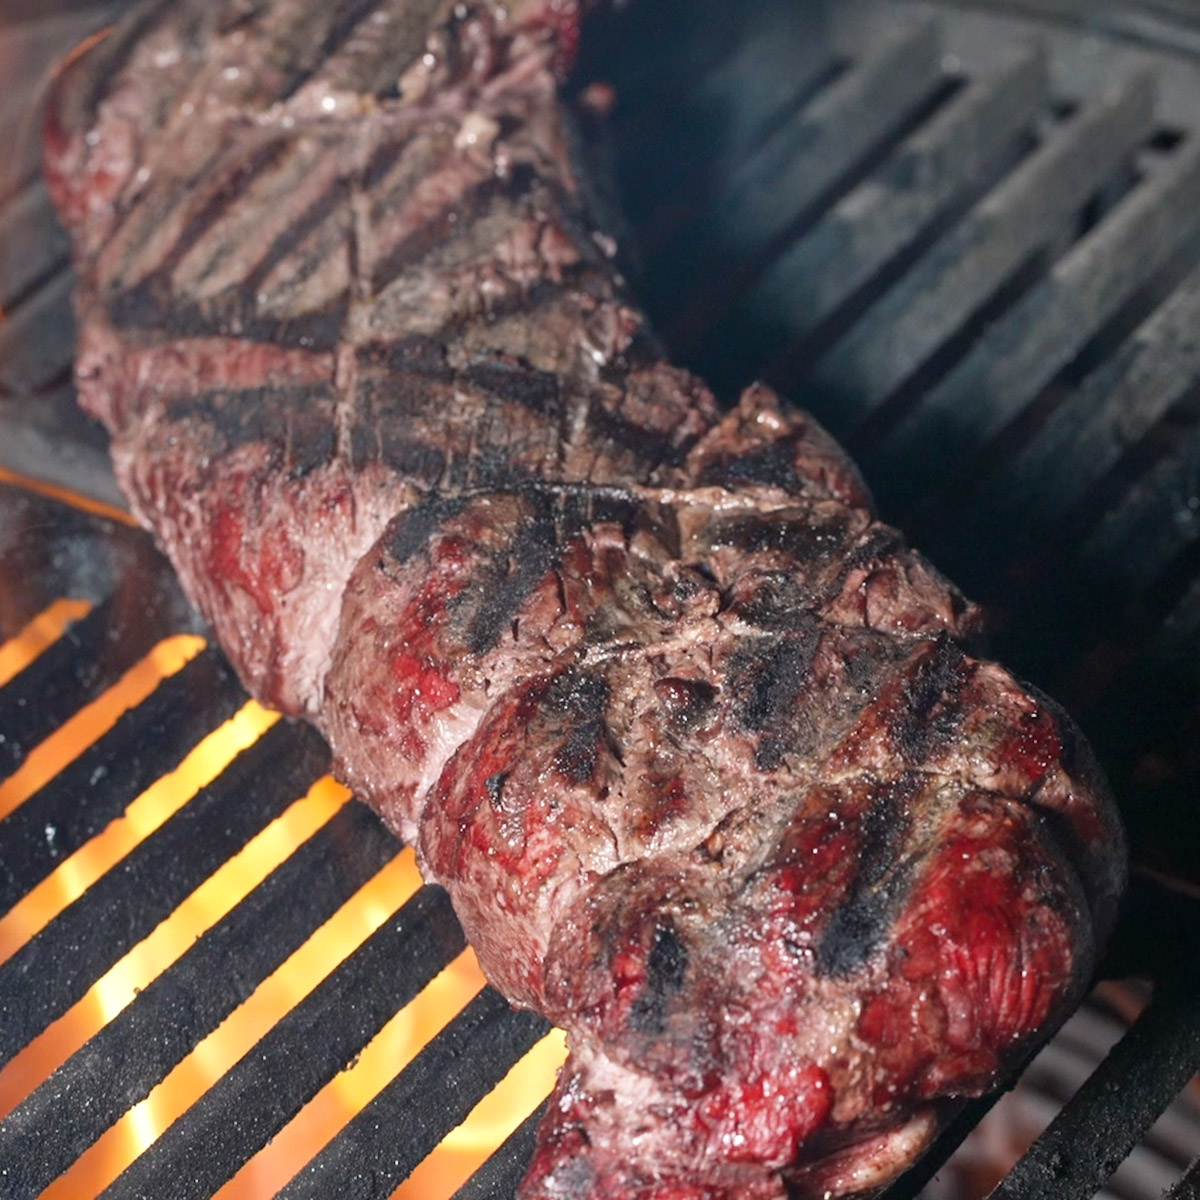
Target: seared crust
[{"x": 697, "y": 745}]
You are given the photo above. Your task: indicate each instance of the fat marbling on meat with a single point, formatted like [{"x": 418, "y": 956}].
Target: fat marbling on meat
[{"x": 698, "y": 746}]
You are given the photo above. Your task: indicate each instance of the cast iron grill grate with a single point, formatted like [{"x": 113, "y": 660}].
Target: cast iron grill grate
[{"x": 966, "y": 239}]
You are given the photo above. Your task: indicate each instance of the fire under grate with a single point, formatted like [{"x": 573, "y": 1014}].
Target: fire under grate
[{"x": 967, "y": 238}]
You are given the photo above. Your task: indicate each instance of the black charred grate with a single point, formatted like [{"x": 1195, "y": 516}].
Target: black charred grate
[{"x": 968, "y": 238}]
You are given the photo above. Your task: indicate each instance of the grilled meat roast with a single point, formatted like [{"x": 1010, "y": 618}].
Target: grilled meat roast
[{"x": 697, "y": 745}]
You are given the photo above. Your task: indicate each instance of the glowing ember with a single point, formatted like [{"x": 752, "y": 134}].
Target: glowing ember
[
  {"x": 216, "y": 897},
  {"x": 329, "y": 946},
  {"x": 42, "y": 632},
  {"x": 466, "y": 1148},
  {"x": 92, "y": 722},
  {"x": 152, "y": 808},
  {"x": 395, "y": 1046}
]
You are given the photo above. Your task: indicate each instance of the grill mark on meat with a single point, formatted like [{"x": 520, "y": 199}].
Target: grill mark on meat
[
  {"x": 577, "y": 693},
  {"x": 688, "y": 703},
  {"x": 290, "y": 240},
  {"x": 351, "y": 15},
  {"x": 233, "y": 183},
  {"x": 577, "y": 759},
  {"x": 414, "y": 354},
  {"x": 381, "y": 161},
  {"x": 775, "y": 603},
  {"x": 150, "y": 306},
  {"x": 415, "y": 527},
  {"x": 651, "y": 446},
  {"x": 416, "y": 15},
  {"x": 879, "y": 543},
  {"x": 456, "y": 219},
  {"x": 773, "y": 465},
  {"x": 767, "y": 681},
  {"x": 666, "y": 970},
  {"x": 535, "y": 390},
  {"x": 496, "y": 593},
  {"x": 303, "y": 427},
  {"x": 582, "y": 698},
  {"x": 420, "y": 460},
  {"x": 120, "y": 46},
  {"x": 810, "y": 538},
  {"x": 920, "y": 723},
  {"x": 858, "y": 927}
]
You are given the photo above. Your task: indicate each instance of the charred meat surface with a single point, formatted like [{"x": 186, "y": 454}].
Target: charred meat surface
[{"x": 697, "y": 745}]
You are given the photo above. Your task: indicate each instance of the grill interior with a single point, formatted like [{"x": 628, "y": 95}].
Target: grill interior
[{"x": 967, "y": 238}]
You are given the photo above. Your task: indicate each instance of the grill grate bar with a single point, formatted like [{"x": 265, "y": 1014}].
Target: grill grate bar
[
  {"x": 1178, "y": 643},
  {"x": 33, "y": 245},
  {"x": 1153, "y": 524},
  {"x": 37, "y": 341},
  {"x": 1021, "y": 353},
  {"x": 145, "y": 744},
  {"x": 1089, "y": 1139},
  {"x": 954, "y": 154},
  {"x": 502, "y": 1173},
  {"x": 804, "y": 160},
  {"x": 749, "y": 92},
  {"x": 1089, "y": 433},
  {"x": 930, "y": 305},
  {"x": 307, "y": 1047},
  {"x": 443, "y": 1083},
  {"x": 185, "y": 1003},
  {"x": 682, "y": 41},
  {"x": 87, "y": 660},
  {"x": 1188, "y": 1186},
  {"x": 56, "y": 967}
]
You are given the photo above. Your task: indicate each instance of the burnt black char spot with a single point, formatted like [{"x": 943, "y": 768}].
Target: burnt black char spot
[
  {"x": 927, "y": 716},
  {"x": 415, "y": 460},
  {"x": 503, "y": 585},
  {"x": 577, "y": 693},
  {"x": 649, "y": 445},
  {"x": 666, "y": 969},
  {"x": 776, "y": 604},
  {"x": 768, "y": 680},
  {"x": 773, "y": 465},
  {"x": 859, "y": 925},
  {"x": 412, "y": 530},
  {"x": 576, "y": 759},
  {"x": 880, "y": 542},
  {"x": 582, "y": 699}
]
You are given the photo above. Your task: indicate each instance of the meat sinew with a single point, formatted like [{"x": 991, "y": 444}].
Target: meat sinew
[{"x": 697, "y": 745}]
